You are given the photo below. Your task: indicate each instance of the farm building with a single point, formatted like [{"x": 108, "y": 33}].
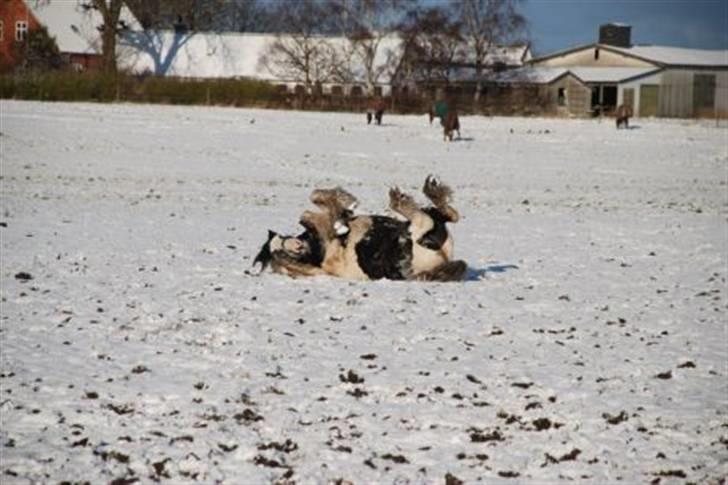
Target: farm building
[
  {"x": 209, "y": 55},
  {"x": 16, "y": 21},
  {"x": 338, "y": 69},
  {"x": 74, "y": 28},
  {"x": 653, "y": 80}
]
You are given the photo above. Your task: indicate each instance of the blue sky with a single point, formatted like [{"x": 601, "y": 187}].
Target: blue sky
[{"x": 561, "y": 24}]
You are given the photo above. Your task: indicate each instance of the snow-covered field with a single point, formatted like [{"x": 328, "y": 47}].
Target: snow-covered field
[{"x": 588, "y": 345}]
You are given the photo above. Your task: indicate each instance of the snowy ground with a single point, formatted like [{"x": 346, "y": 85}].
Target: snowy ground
[{"x": 589, "y": 344}]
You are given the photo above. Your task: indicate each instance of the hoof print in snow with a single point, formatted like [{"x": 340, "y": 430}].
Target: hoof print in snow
[
  {"x": 478, "y": 436},
  {"x": 522, "y": 385},
  {"x": 160, "y": 470},
  {"x": 669, "y": 473},
  {"x": 452, "y": 480},
  {"x": 664, "y": 375},
  {"x": 268, "y": 462},
  {"x": 542, "y": 424},
  {"x": 81, "y": 442},
  {"x": 227, "y": 448},
  {"x": 140, "y": 369},
  {"x": 187, "y": 438},
  {"x": 91, "y": 395},
  {"x": 358, "y": 392},
  {"x": 687, "y": 365},
  {"x": 571, "y": 456},
  {"x": 23, "y": 276},
  {"x": 124, "y": 481},
  {"x": 247, "y": 416},
  {"x": 368, "y": 356},
  {"x": 287, "y": 446},
  {"x": 508, "y": 474},
  {"x": 351, "y": 377},
  {"x": 611, "y": 419},
  {"x": 400, "y": 459},
  {"x": 473, "y": 379},
  {"x": 120, "y": 409},
  {"x": 112, "y": 455}
]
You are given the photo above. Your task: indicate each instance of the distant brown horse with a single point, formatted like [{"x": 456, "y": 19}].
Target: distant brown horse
[
  {"x": 450, "y": 124},
  {"x": 623, "y": 114},
  {"x": 375, "y": 108}
]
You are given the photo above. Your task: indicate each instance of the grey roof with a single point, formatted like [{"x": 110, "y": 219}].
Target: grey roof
[{"x": 664, "y": 56}]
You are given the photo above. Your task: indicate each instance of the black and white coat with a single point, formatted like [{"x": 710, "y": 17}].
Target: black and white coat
[{"x": 371, "y": 246}]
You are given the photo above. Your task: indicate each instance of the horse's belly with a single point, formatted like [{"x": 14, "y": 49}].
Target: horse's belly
[{"x": 424, "y": 260}]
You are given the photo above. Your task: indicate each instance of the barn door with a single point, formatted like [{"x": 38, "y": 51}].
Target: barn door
[{"x": 648, "y": 99}]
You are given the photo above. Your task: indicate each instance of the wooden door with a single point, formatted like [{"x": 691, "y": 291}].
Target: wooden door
[{"x": 648, "y": 99}]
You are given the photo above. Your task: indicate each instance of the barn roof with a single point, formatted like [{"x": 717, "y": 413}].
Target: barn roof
[
  {"x": 664, "y": 56},
  {"x": 676, "y": 56},
  {"x": 74, "y": 27}
]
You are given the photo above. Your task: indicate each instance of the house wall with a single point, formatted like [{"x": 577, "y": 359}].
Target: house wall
[
  {"x": 676, "y": 92},
  {"x": 578, "y": 96},
  {"x": 585, "y": 58},
  {"x": 12, "y": 11}
]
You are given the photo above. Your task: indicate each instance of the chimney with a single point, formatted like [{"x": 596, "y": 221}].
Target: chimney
[{"x": 618, "y": 35}]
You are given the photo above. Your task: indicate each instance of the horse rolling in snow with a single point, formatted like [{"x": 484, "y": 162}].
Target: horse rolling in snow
[{"x": 369, "y": 247}]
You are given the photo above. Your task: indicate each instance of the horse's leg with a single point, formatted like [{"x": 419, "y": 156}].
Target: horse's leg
[
  {"x": 336, "y": 199},
  {"x": 440, "y": 195},
  {"x": 449, "y": 271},
  {"x": 405, "y": 205},
  {"x": 321, "y": 223}
]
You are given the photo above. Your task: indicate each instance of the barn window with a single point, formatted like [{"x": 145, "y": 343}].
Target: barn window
[
  {"x": 703, "y": 92},
  {"x": 299, "y": 89},
  {"x": 596, "y": 54},
  {"x": 377, "y": 90},
  {"x": 337, "y": 90},
  {"x": 356, "y": 91},
  {"x": 561, "y": 98},
  {"x": 21, "y": 30}
]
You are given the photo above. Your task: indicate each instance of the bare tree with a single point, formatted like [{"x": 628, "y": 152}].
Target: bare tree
[
  {"x": 488, "y": 24},
  {"x": 434, "y": 43},
  {"x": 366, "y": 24},
  {"x": 300, "y": 52}
]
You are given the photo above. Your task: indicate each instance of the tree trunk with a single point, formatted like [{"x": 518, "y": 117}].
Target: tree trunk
[
  {"x": 110, "y": 11},
  {"x": 478, "y": 82}
]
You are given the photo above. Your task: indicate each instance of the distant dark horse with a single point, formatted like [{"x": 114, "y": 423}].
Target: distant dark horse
[
  {"x": 375, "y": 108},
  {"x": 623, "y": 114},
  {"x": 450, "y": 124}
]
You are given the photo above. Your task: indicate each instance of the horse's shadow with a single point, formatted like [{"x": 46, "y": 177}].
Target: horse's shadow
[{"x": 477, "y": 274}]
